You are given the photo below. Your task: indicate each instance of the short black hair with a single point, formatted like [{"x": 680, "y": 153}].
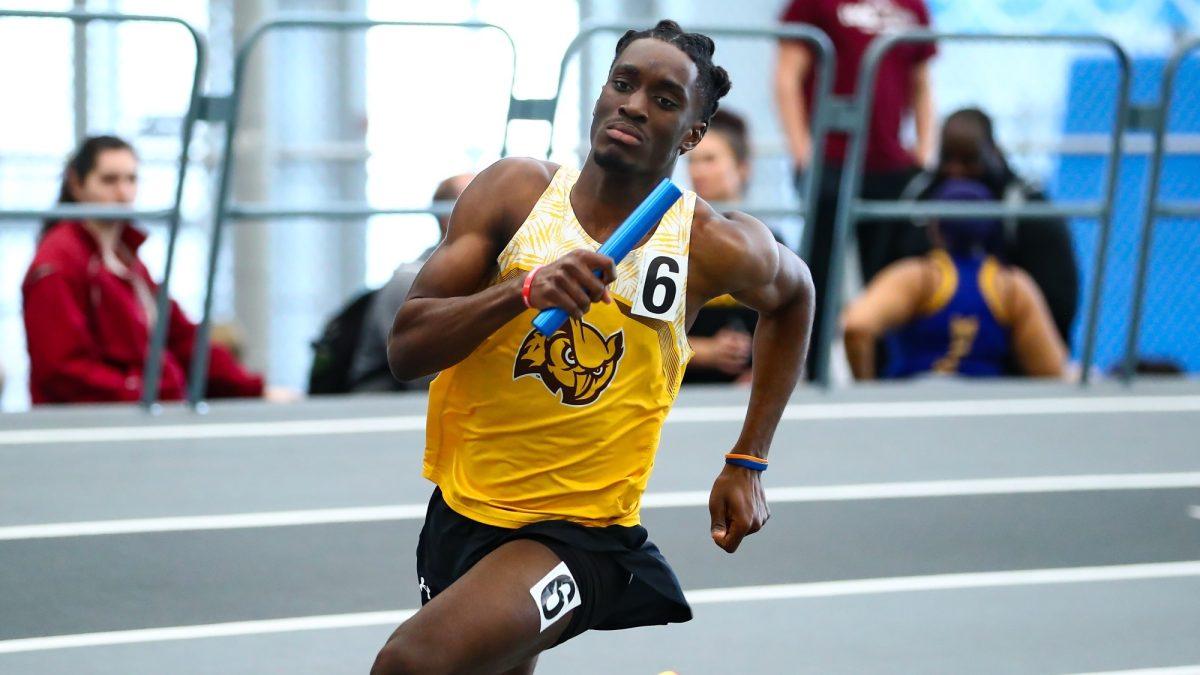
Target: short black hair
[
  {"x": 714, "y": 80},
  {"x": 736, "y": 132},
  {"x": 977, "y": 117}
]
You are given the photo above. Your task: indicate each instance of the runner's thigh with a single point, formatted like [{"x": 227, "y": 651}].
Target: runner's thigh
[{"x": 486, "y": 622}]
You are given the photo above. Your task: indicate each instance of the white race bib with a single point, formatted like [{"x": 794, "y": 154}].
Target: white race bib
[{"x": 662, "y": 279}]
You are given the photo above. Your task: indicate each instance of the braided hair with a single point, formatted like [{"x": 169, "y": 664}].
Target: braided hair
[{"x": 713, "y": 82}]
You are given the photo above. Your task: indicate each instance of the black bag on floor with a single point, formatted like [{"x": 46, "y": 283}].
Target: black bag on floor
[{"x": 333, "y": 352}]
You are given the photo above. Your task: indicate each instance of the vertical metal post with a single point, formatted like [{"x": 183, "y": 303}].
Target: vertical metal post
[
  {"x": 1110, "y": 191},
  {"x": 845, "y": 218},
  {"x": 821, "y": 122},
  {"x": 152, "y": 373},
  {"x": 1150, "y": 209},
  {"x": 79, "y": 85},
  {"x": 198, "y": 371}
]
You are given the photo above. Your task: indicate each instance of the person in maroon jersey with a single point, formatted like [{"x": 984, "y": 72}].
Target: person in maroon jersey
[{"x": 902, "y": 88}]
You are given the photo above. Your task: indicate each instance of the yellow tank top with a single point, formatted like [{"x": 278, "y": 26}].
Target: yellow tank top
[{"x": 526, "y": 428}]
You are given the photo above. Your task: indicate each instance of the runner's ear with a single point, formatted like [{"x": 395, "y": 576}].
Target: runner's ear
[{"x": 693, "y": 137}]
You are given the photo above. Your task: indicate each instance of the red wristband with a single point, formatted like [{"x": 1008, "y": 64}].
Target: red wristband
[{"x": 527, "y": 287}]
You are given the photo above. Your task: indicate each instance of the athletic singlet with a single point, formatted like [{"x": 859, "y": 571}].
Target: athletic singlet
[
  {"x": 963, "y": 328},
  {"x": 527, "y": 429}
]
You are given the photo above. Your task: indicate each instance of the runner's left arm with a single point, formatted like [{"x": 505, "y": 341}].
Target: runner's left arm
[{"x": 769, "y": 278}]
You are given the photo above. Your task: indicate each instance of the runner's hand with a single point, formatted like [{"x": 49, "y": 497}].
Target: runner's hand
[
  {"x": 570, "y": 283},
  {"x": 738, "y": 506}
]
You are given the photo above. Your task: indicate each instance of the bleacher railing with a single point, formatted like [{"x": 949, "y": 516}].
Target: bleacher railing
[
  {"x": 171, "y": 215},
  {"x": 852, "y": 209},
  {"x": 1155, "y": 208},
  {"x": 225, "y": 110}
]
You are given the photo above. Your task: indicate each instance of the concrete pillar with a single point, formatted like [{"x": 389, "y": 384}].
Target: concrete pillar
[
  {"x": 250, "y": 241},
  {"x": 301, "y": 142}
]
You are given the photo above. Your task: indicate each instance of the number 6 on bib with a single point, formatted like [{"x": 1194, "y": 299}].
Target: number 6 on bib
[{"x": 662, "y": 279}]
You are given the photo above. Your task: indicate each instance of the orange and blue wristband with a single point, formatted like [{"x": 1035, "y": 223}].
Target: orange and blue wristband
[{"x": 746, "y": 461}]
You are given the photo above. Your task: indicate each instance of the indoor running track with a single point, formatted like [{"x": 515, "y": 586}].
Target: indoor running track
[{"x": 937, "y": 528}]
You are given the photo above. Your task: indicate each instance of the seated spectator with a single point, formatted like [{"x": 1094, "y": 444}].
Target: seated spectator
[
  {"x": 719, "y": 168},
  {"x": 370, "y": 371},
  {"x": 957, "y": 310},
  {"x": 1039, "y": 246},
  {"x": 89, "y": 302},
  {"x": 229, "y": 335}
]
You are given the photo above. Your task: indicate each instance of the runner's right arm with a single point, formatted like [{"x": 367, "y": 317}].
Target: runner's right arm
[{"x": 447, "y": 315}]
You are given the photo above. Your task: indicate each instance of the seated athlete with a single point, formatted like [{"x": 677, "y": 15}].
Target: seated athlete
[
  {"x": 541, "y": 447},
  {"x": 721, "y": 334},
  {"x": 957, "y": 310}
]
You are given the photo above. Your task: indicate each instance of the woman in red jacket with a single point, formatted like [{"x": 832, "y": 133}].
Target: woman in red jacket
[{"x": 89, "y": 302}]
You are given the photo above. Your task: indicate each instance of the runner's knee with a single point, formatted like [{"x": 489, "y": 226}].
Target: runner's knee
[{"x": 403, "y": 656}]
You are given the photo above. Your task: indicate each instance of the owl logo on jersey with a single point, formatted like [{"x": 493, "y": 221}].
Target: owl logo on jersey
[{"x": 577, "y": 362}]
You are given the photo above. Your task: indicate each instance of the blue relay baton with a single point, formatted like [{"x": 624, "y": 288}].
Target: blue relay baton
[{"x": 622, "y": 241}]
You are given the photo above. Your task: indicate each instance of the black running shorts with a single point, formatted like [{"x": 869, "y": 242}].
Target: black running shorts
[{"x": 623, "y": 579}]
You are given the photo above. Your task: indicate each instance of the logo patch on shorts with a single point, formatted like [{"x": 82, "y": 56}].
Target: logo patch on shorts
[{"x": 555, "y": 595}]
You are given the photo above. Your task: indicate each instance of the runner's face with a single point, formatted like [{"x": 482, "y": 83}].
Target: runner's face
[{"x": 647, "y": 112}]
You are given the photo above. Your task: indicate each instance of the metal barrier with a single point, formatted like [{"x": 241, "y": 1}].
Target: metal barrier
[
  {"x": 822, "y": 116},
  {"x": 852, "y": 209},
  {"x": 153, "y": 366},
  {"x": 225, "y": 109},
  {"x": 1153, "y": 208}
]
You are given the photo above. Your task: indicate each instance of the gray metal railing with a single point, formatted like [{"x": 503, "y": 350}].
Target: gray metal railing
[
  {"x": 852, "y": 209},
  {"x": 153, "y": 367},
  {"x": 225, "y": 109},
  {"x": 822, "y": 114},
  {"x": 1153, "y": 208}
]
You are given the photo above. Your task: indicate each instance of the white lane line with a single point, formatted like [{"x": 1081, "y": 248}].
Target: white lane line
[
  {"x": 948, "y": 488},
  {"x": 942, "y": 582},
  {"x": 1194, "y": 512},
  {"x": 177, "y": 432},
  {"x": 821, "y": 589},
  {"x": 234, "y": 628},
  {"x": 1177, "y": 670},
  {"x": 231, "y": 521},
  {"x": 690, "y": 498},
  {"x": 681, "y": 415}
]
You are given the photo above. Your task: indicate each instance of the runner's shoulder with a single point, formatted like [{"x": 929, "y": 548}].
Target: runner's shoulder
[
  {"x": 732, "y": 246},
  {"x": 514, "y": 183}
]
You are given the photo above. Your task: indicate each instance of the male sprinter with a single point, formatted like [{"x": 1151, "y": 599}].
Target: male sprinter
[{"x": 541, "y": 447}]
